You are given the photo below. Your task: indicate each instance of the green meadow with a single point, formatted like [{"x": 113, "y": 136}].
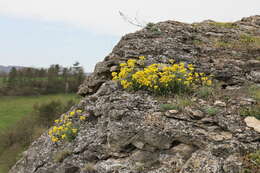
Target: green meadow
[{"x": 13, "y": 108}]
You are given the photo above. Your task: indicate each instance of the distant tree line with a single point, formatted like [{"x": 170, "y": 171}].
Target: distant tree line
[{"x": 34, "y": 81}]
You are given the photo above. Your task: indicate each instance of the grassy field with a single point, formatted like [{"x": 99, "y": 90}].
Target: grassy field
[
  {"x": 13, "y": 108},
  {"x": 1, "y": 81}
]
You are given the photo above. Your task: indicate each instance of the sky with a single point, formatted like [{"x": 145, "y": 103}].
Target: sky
[{"x": 39, "y": 33}]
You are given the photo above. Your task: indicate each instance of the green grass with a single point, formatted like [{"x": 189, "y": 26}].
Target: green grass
[
  {"x": 211, "y": 111},
  {"x": 1, "y": 81},
  {"x": 224, "y": 24},
  {"x": 13, "y": 108}
]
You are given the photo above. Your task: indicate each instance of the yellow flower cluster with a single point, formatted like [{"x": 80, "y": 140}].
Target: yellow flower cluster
[
  {"x": 65, "y": 128},
  {"x": 160, "y": 78},
  {"x": 126, "y": 69}
]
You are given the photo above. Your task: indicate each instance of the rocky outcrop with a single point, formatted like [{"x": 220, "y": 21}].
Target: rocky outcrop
[
  {"x": 230, "y": 51},
  {"x": 129, "y": 132}
]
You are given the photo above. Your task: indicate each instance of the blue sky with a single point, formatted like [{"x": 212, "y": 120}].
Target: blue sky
[
  {"x": 39, "y": 33},
  {"x": 37, "y": 43}
]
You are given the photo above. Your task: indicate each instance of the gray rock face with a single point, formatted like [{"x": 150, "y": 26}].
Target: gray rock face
[
  {"x": 218, "y": 49},
  {"x": 127, "y": 132}
]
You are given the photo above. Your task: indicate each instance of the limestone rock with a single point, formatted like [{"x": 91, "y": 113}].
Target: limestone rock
[
  {"x": 220, "y": 103},
  {"x": 253, "y": 122}
]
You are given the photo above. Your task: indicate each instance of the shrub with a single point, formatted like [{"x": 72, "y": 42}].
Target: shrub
[
  {"x": 48, "y": 112},
  {"x": 160, "y": 79},
  {"x": 152, "y": 27}
]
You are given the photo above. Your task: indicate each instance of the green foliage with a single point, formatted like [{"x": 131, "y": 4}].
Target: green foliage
[
  {"x": 23, "y": 125},
  {"x": 153, "y": 28},
  {"x": 247, "y": 39},
  {"x": 33, "y": 81},
  {"x": 48, "y": 112},
  {"x": 251, "y": 162},
  {"x": 16, "y": 107},
  {"x": 224, "y": 25},
  {"x": 181, "y": 102},
  {"x": 211, "y": 111},
  {"x": 205, "y": 92},
  {"x": 255, "y": 157},
  {"x": 166, "y": 107},
  {"x": 67, "y": 127},
  {"x": 61, "y": 155},
  {"x": 224, "y": 44},
  {"x": 160, "y": 79},
  {"x": 253, "y": 111},
  {"x": 254, "y": 91}
]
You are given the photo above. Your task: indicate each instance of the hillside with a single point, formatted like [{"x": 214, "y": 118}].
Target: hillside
[{"x": 122, "y": 126}]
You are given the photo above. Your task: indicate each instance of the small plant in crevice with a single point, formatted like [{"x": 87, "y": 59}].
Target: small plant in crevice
[
  {"x": 160, "y": 79},
  {"x": 211, "y": 111},
  {"x": 254, "y": 91},
  {"x": 205, "y": 92},
  {"x": 67, "y": 127},
  {"x": 251, "y": 162},
  {"x": 152, "y": 27},
  {"x": 253, "y": 111},
  {"x": 166, "y": 107}
]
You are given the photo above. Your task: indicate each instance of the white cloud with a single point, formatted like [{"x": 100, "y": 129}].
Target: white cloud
[{"x": 102, "y": 16}]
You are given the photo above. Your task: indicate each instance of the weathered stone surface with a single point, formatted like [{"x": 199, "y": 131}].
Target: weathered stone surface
[
  {"x": 220, "y": 103},
  {"x": 128, "y": 133},
  {"x": 253, "y": 122},
  {"x": 196, "y": 43}
]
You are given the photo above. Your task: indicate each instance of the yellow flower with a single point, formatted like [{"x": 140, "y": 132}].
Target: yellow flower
[
  {"x": 209, "y": 82},
  {"x": 82, "y": 118},
  {"x": 131, "y": 62},
  {"x": 72, "y": 113},
  {"x": 68, "y": 123},
  {"x": 63, "y": 136},
  {"x": 123, "y": 64},
  {"x": 79, "y": 111},
  {"x": 126, "y": 84},
  {"x": 57, "y": 121},
  {"x": 55, "y": 128},
  {"x": 171, "y": 61},
  {"x": 142, "y": 58},
  {"x": 74, "y": 130},
  {"x": 50, "y": 132},
  {"x": 54, "y": 139},
  {"x": 60, "y": 128}
]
